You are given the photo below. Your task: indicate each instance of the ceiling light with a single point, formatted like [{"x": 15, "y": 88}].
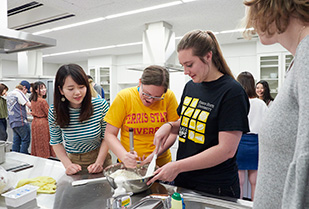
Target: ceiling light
[
  {"x": 92, "y": 49},
  {"x": 98, "y": 48},
  {"x": 79, "y": 23},
  {"x": 236, "y": 30},
  {"x": 187, "y": 1},
  {"x": 143, "y": 9},
  {"x": 129, "y": 44},
  {"x": 70, "y": 26},
  {"x": 61, "y": 53},
  {"x": 160, "y": 6}
]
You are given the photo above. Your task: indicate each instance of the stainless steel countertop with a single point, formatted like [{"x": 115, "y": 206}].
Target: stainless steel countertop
[{"x": 94, "y": 195}]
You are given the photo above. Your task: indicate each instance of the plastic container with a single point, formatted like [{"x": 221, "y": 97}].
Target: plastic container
[
  {"x": 20, "y": 196},
  {"x": 176, "y": 201}
]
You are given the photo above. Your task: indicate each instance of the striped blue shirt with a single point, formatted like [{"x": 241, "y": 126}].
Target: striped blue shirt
[{"x": 80, "y": 137}]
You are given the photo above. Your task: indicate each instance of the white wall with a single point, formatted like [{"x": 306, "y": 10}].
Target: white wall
[
  {"x": 50, "y": 69},
  {"x": 9, "y": 68},
  {"x": 241, "y": 57},
  {"x": 128, "y": 78}
]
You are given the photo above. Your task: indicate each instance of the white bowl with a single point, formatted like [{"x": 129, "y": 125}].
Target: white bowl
[
  {"x": 135, "y": 185},
  {"x": 273, "y": 75}
]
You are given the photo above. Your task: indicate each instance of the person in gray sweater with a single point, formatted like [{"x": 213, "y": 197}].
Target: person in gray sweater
[{"x": 283, "y": 178}]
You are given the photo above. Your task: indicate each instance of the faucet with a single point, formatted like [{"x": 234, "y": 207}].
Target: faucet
[
  {"x": 164, "y": 201},
  {"x": 115, "y": 202}
]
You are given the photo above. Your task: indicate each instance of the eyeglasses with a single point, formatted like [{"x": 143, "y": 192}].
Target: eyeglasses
[{"x": 148, "y": 96}]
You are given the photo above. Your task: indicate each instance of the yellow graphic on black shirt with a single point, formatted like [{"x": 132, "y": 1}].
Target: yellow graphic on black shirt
[
  {"x": 193, "y": 121},
  {"x": 187, "y": 101},
  {"x": 200, "y": 127},
  {"x": 192, "y": 124},
  {"x": 203, "y": 116},
  {"x": 196, "y": 112},
  {"x": 194, "y": 102},
  {"x": 196, "y": 137},
  {"x": 189, "y": 112},
  {"x": 182, "y": 139},
  {"x": 185, "y": 121}
]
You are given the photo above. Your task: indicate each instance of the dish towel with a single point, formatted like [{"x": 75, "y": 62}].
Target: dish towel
[{"x": 46, "y": 184}]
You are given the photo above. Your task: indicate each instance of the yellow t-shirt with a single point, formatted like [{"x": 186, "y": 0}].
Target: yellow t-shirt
[{"x": 128, "y": 111}]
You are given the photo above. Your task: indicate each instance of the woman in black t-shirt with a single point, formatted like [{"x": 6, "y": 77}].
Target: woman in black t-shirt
[{"x": 213, "y": 115}]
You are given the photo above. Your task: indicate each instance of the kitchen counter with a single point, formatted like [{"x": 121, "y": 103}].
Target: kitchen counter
[
  {"x": 41, "y": 167},
  {"x": 95, "y": 195}
]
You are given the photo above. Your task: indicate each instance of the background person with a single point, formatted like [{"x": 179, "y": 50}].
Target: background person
[
  {"x": 144, "y": 108},
  {"x": 39, "y": 127},
  {"x": 3, "y": 112},
  {"x": 283, "y": 141},
  {"x": 76, "y": 119},
  {"x": 94, "y": 93},
  {"x": 213, "y": 115},
  {"x": 248, "y": 149},
  {"x": 16, "y": 103},
  {"x": 263, "y": 92},
  {"x": 98, "y": 88}
]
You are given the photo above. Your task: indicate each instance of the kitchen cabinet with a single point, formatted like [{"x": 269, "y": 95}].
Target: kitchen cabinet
[
  {"x": 269, "y": 71},
  {"x": 287, "y": 61},
  {"x": 101, "y": 76},
  {"x": 272, "y": 69}
]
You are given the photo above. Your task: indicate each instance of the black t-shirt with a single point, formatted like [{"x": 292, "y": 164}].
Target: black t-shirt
[{"x": 206, "y": 109}]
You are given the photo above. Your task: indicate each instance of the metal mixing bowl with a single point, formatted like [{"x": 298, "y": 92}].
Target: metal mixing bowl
[{"x": 136, "y": 185}]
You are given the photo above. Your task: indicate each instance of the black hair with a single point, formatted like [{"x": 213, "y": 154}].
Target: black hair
[
  {"x": 266, "y": 94},
  {"x": 61, "y": 111},
  {"x": 36, "y": 86}
]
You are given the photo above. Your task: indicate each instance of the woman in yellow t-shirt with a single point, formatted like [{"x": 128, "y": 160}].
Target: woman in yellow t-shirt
[{"x": 144, "y": 108}]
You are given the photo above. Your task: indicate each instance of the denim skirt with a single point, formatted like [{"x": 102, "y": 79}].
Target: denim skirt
[{"x": 248, "y": 152}]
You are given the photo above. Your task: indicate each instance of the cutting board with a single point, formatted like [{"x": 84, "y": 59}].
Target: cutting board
[{"x": 15, "y": 165}]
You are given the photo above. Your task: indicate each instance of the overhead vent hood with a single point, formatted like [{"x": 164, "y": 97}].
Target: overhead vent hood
[{"x": 12, "y": 41}]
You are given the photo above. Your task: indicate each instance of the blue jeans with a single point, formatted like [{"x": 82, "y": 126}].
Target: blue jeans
[
  {"x": 21, "y": 139},
  {"x": 3, "y": 127}
]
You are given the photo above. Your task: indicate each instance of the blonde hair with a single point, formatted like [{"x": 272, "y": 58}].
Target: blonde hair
[
  {"x": 202, "y": 42},
  {"x": 20, "y": 87},
  {"x": 92, "y": 90},
  {"x": 262, "y": 13}
]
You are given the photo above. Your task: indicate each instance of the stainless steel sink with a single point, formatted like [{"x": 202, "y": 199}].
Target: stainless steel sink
[
  {"x": 198, "y": 202},
  {"x": 191, "y": 201},
  {"x": 153, "y": 202},
  {"x": 198, "y": 205}
]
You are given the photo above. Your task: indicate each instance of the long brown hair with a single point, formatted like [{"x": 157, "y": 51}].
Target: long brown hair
[
  {"x": 61, "y": 112},
  {"x": 202, "y": 42},
  {"x": 246, "y": 80}
]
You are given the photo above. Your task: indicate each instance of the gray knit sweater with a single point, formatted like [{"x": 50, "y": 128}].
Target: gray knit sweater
[{"x": 283, "y": 173}]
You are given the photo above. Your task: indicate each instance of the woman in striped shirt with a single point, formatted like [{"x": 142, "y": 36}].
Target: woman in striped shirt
[{"x": 76, "y": 123}]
